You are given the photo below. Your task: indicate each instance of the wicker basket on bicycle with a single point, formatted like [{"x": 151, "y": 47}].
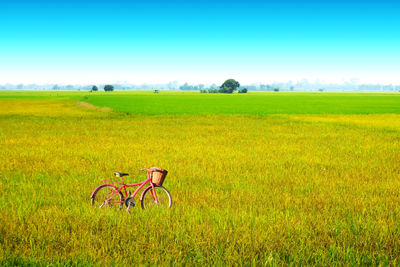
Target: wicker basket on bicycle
[{"x": 158, "y": 175}]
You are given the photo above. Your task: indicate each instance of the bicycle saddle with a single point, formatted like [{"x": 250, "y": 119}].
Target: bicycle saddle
[{"x": 120, "y": 174}]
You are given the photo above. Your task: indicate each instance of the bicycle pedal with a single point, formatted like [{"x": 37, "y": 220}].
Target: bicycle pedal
[{"x": 129, "y": 202}]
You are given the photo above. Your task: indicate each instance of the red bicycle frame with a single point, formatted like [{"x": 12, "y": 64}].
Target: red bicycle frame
[{"x": 125, "y": 192}]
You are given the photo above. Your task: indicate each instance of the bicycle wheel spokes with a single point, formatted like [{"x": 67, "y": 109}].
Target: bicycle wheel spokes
[
  {"x": 107, "y": 196},
  {"x": 159, "y": 198}
]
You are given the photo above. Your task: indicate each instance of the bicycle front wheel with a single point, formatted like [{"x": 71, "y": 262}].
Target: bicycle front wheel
[
  {"x": 159, "y": 198},
  {"x": 107, "y": 196}
]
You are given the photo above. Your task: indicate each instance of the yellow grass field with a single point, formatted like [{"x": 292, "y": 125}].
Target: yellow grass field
[{"x": 247, "y": 189}]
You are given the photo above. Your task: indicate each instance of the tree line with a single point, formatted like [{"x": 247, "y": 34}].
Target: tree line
[
  {"x": 228, "y": 87},
  {"x": 107, "y": 88}
]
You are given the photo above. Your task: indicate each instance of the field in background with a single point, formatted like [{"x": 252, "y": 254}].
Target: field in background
[
  {"x": 249, "y": 187},
  {"x": 252, "y": 103}
]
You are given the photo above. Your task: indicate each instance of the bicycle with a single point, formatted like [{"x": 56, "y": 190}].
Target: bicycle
[{"x": 110, "y": 195}]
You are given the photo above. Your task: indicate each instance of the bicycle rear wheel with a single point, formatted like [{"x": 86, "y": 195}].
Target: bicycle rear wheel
[
  {"x": 107, "y": 196},
  {"x": 163, "y": 196}
]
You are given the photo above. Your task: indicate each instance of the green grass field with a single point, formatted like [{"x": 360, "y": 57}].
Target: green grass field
[
  {"x": 252, "y": 103},
  {"x": 259, "y": 179}
]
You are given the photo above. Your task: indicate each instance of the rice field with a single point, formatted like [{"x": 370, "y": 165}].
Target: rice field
[{"x": 262, "y": 179}]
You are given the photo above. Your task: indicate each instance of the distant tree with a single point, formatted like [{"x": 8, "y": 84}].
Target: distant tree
[
  {"x": 186, "y": 87},
  {"x": 321, "y": 89},
  {"x": 242, "y": 91},
  {"x": 173, "y": 85},
  {"x": 55, "y": 87},
  {"x": 229, "y": 86},
  {"x": 213, "y": 91},
  {"x": 94, "y": 88},
  {"x": 108, "y": 88},
  {"x": 276, "y": 89},
  {"x": 156, "y": 91},
  {"x": 213, "y": 86}
]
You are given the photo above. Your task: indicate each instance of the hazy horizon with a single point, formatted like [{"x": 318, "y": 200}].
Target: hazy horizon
[{"x": 303, "y": 86}]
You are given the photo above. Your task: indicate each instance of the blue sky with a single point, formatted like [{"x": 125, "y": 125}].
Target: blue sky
[{"x": 89, "y": 41}]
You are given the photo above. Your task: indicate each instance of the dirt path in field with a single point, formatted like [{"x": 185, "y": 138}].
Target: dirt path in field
[{"x": 93, "y": 107}]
